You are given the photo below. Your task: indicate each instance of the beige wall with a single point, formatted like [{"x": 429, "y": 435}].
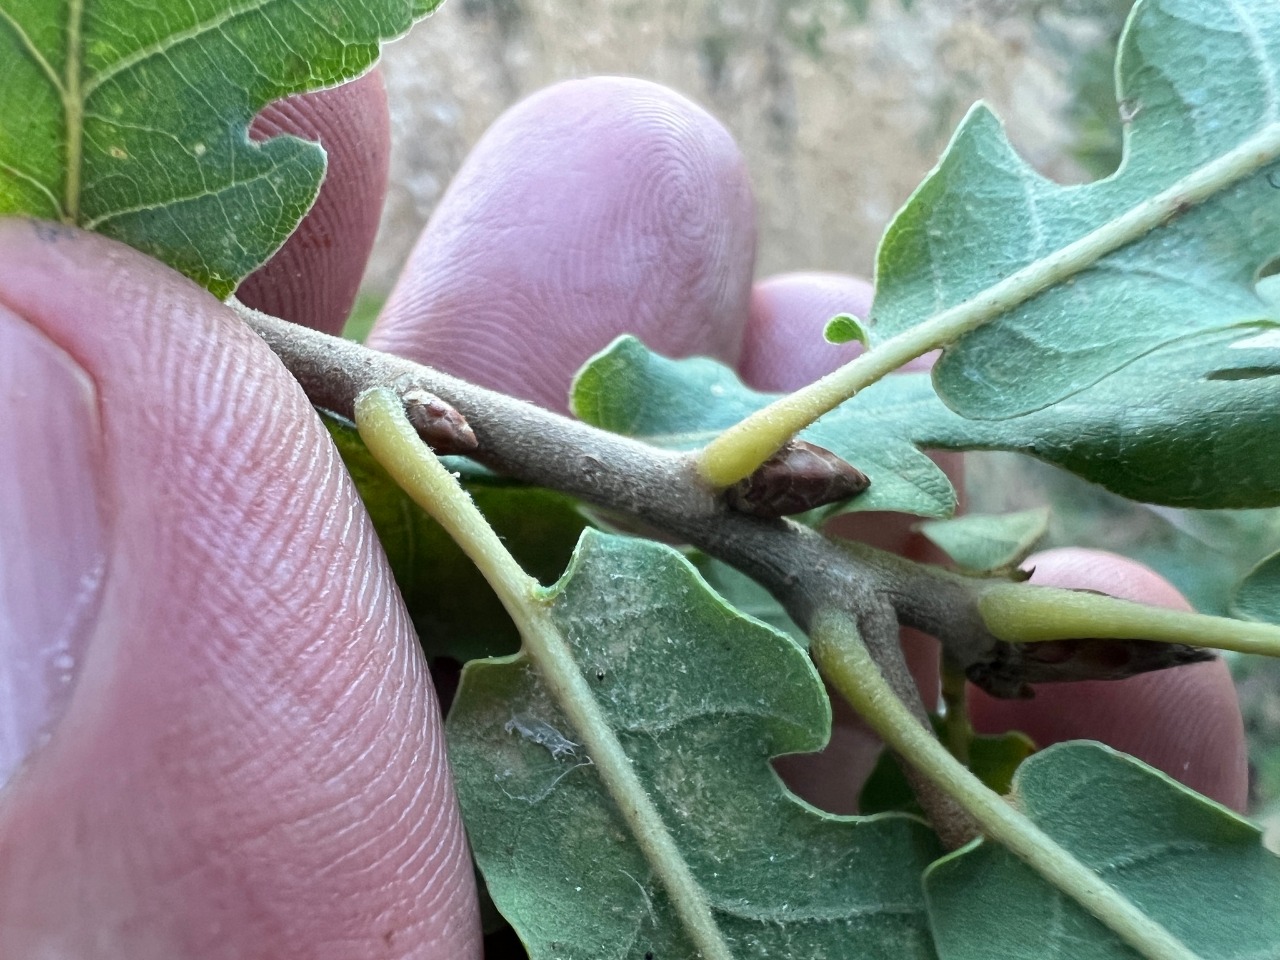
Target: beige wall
[{"x": 839, "y": 116}]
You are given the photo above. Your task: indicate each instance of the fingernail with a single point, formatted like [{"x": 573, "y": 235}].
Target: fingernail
[{"x": 52, "y": 536}]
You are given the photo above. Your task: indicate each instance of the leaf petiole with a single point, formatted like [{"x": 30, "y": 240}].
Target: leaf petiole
[
  {"x": 844, "y": 660},
  {"x": 393, "y": 441},
  {"x": 1016, "y": 614},
  {"x": 957, "y": 732}
]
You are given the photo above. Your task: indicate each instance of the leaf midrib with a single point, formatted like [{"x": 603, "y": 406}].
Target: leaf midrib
[
  {"x": 73, "y": 89},
  {"x": 73, "y": 112}
]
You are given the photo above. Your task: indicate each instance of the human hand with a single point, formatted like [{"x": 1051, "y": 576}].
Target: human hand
[{"x": 247, "y": 760}]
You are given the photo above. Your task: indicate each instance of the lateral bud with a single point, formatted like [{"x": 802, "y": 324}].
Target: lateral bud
[
  {"x": 801, "y": 476},
  {"x": 1010, "y": 669},
  {"x": 440, "y": 426}
]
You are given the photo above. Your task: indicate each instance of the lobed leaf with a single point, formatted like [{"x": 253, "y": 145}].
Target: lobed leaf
[
  {"x": 1192, "y": 424},
  {"x": 700, "y": 698},
  {"x": 745, "y": 595},
  {"x": 132, "y": 119},
  {"x": 1194, "y": 866},
  {"x": 1196, "y": 82},
  {"x": 1203, "y": 435}
]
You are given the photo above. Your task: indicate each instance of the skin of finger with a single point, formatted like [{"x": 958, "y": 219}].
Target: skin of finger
[
  {"x": 313, "y": 279},
  {"x": 1184, "y": 721},
  {"x": 784, "y": 349},
  {"x": 251, "y": 763},
  {"x": 594, "y": 208}
]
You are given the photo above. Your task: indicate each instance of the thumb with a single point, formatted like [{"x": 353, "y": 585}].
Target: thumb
[{"x": 216, "y": 731}]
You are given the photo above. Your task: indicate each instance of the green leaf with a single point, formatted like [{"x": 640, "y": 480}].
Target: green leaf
[
  {"x": 700, "y": 697},
  {"x": 453, "y": 608},
  {"x": 682, "y": 404},
  {"x": 1192, "y": 424},
  {"x": 984, "y": 214},
  {"x": 985, "y": 542},
  {"x": 993, "y": 759},
  {"x": 1191, "y": 864},
  {"x": 1258, "y": 595},
  {"x": 845, "y": 327},
  {"x": 132, "y": 119}
]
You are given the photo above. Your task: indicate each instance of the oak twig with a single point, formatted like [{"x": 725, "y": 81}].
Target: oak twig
[
  {"x": 658, "y": 487},
  {"x": 806, "y": 572}
]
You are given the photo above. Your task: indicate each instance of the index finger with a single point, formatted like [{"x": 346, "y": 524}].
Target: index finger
[{"x": 595, "y": 208}]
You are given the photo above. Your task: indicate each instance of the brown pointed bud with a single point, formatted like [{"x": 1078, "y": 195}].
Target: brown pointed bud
[
  {"x": 1012, "y": 667},
  {"x": 440, "y": 426},
  {"x": 799, "y": 477}
]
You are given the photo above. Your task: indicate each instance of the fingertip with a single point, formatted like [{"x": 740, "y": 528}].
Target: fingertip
[
  {"x": 1185, "y": 721},
  {"x": 594, "y": 208},
  {"x": 313, "y": 279}
]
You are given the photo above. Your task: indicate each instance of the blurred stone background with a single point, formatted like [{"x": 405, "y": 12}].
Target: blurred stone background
[{"x": 839, "y": 106}]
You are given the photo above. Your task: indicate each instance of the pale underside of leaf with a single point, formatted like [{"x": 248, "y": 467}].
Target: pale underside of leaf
[
  {"x": 682, "y": 404},
  {"x": 1188, "y": 425},
  {"x": 700, "y": 697},
  {"x": 984, "y": 215},
  {"x": 1194, "y": 866}
]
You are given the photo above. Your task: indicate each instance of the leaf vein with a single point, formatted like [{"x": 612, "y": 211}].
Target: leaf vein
[
  {"x": 236, "y": 184},
  {"x": 28, "y": 178},
  {"x": 33, "y": 51},
  {"x": 1154, "y": 853},
  {"x": 840, "y": 913},
  {"x": 165, "y": 44},
  {"x": 1253, "y": 36}
]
